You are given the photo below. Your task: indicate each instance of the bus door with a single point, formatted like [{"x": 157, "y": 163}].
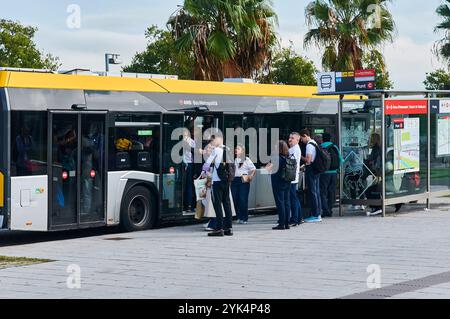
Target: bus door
[
  {"x": 202, "y": 126},
  {"x": 177, "y": 183},
  {"x": 77, "y": 179}
]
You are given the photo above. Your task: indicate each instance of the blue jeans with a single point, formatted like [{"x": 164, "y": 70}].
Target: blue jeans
[
  {"x": 313, "y": 180},
  {"x": 281, "y": 192},
  {"x": 295, "y": 208},
  {"x": 212, "y": 223},
  {"x": 240, "y": 193}
]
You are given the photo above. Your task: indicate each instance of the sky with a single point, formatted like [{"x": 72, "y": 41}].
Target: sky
[{"x": 118, "y": 27}]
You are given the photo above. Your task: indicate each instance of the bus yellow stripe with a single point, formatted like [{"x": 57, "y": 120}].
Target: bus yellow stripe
[
  {"x": 4, "y": 76},
  {"x": 2, "y": 189},
  {"x": 243, "y": 89},
  {"x": 100, "y": 83},
  {"x": 80, "y": 82}
]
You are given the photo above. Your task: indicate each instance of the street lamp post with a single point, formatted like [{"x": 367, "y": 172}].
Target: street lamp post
[{"x": 111, "y": 58}]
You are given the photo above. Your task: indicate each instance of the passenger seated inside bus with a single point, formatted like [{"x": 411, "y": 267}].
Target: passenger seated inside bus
[{"x": 22, "y": 148}]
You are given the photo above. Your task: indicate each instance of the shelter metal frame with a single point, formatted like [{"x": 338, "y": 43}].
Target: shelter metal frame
[{"x": 383, "y": 96}]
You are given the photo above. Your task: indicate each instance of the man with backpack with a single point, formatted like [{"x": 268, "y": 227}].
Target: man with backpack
[
  {"x": 328, "y": 180},
  {"x": 317, "y": 162},
  {"x": 223, "y": 174}
]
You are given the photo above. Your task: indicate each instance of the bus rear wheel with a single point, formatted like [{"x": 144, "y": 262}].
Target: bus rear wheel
[{"x": 138, "y": 210}]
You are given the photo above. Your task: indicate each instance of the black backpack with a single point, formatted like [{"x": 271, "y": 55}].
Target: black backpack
[
  {"x": 289, "y": 172},
  {"x": 322, "y": 161},
  {"x": 335, "y": 163},
  {"x": 226, "y": 171}
]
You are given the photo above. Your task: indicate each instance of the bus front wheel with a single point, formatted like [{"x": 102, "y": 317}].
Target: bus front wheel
[{"x": 138, "y": 210}]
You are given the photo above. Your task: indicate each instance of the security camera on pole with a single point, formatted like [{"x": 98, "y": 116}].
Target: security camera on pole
[{"x": 112, "y": 59}]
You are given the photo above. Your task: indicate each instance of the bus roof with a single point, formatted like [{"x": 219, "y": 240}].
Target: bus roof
[{"x": 13, "y": 79}]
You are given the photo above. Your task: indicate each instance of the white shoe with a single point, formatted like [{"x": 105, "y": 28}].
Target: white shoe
[{"x": 375, "y": 213}]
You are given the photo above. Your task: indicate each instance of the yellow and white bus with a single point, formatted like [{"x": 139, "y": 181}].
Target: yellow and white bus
[{"x": 81, "y": 151}]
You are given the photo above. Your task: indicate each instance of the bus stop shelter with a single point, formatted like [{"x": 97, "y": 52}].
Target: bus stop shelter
[{"x": 396, "y": 147}]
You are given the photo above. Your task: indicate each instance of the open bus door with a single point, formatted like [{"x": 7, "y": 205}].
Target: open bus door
[{"x": 178, "y": 192}]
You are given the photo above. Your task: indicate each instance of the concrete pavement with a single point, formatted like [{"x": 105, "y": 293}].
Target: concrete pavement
[{"x": 327, "y": 260}]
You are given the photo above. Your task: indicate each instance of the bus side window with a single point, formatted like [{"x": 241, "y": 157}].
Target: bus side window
[
  {"x": 28, "y": 143},
  {"x": 134, "y": 143}
]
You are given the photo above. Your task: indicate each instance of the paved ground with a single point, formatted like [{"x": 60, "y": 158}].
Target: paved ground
[{"x": 327, "y": 260}]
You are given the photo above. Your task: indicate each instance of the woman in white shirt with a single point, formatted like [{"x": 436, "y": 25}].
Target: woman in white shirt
[{"x": 240, "y": 187}]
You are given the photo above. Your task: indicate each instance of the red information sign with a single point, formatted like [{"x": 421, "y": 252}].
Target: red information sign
[
  {"x": 365, "y": 73},
  {"x": 399, "y": 107}
]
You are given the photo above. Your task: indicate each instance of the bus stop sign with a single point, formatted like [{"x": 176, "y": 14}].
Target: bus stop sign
[{"x": 354, "y": 81}]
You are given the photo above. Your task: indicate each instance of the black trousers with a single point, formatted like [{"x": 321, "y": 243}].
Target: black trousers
[
  {"x": 328, "y": 185},
  {"x": 221, "y": 197}
]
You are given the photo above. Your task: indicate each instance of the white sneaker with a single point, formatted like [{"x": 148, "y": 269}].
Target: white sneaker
[{"x": 376, "y": 213}]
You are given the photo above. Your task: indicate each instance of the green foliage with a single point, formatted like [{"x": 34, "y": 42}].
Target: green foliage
[
  {"x": 442, "y": 47},
  {"x": 346, "y": 30},
  {"x": 375, "y": 61},
  {"x": 290, "y": 68},
  {"x": 6, "y": 262},
  {"x": 437, "y": 80},
  {"x": 227, "y": 38},
  {"x": 161, "y": 56},
  {"x": 18, "y": 50}
]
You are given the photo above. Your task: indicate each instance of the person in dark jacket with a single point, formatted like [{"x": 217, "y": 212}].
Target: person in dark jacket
[
  {"x": 373, "y": 163},
  {"x": 280, "y": 187},
  {"x": 328, "y": 180}
]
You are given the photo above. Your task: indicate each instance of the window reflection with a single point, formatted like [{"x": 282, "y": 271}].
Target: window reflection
[{"x": 28, "y": 143}]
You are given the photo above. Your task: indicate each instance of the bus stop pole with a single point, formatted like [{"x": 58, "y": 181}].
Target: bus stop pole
[
  {"x": 341, "y": 171},
  {"x": 383, "y": 156},
  {"x": 429, "y": 153}
]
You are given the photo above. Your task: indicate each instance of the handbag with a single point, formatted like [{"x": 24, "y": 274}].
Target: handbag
[
  {"x": 200, "y": 210},
  {"x": 209, "y": 211},
  {"x": 200, "y": 188}
]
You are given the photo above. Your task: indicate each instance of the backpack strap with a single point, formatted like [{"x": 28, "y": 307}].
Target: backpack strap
[{"x": 315, "y": 145}]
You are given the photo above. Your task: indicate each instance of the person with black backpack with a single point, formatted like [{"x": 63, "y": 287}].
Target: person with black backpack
[
  {"x": 223, "y": 175},
  {"x": 328, "y": 180},
  {"x": 317, "y": 162},
  {"x": 283, "y": 169}
]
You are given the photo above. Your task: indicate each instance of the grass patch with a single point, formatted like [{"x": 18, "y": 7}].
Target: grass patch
[{"x": 7, "y": 262}]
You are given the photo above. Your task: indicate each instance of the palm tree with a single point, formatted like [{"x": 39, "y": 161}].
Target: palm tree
[
  {"x": 228, "y": 38},
  {"x": 347, "y": 30},
  {"x": 442, "y": 47}
]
